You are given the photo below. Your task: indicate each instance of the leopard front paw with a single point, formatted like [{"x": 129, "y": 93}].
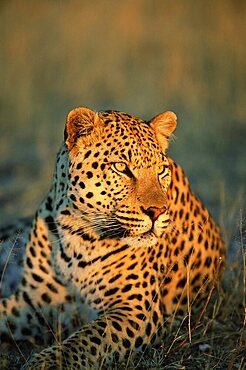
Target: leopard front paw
[{"x": 48, "y": 359}]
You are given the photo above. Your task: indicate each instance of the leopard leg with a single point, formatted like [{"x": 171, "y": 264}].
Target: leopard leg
[
  {"x": 30, "y": 313},
  {"x": 114, "y": 337},
  {"x": 18, "y": 318}
]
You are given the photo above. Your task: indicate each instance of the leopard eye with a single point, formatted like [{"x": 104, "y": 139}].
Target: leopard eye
[
  {"x": 163, "y": 170},
  {"x": 122, "y": 168},
  {"x": 119, "y": 166}
]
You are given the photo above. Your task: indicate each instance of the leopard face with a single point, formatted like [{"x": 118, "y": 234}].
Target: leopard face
[{"x": 118, "y": 187}]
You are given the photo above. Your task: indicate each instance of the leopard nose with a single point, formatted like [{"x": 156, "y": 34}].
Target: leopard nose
[{"x": 154, "y": 212}]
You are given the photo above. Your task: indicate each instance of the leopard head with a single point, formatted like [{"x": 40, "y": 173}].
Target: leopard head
[{"x": 118, "y": 175}]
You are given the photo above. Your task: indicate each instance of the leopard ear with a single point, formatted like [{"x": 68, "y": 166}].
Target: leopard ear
[
  {"x": 164, "y": 125},
  {"x": 81, "y": 122}
]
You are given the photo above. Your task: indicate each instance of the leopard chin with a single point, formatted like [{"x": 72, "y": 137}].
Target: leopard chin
[{"x": 145, "y": 240}]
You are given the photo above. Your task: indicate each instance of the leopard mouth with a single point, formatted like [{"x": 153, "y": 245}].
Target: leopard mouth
[
  {"x": 113, "y": 233},
  {"x": 113, "y": 229},
  {"x": 146, "y": 239},
  {"x": 121, "y": 233}
]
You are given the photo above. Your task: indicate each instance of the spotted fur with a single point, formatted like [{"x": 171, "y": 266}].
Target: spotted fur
[{"x": 118, "y": 251}]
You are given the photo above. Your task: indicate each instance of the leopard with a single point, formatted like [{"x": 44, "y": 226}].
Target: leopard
[{"x": 119, "y": 253}]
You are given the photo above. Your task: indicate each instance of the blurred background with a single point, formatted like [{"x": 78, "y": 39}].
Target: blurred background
[{"x": 138, "y": 56}]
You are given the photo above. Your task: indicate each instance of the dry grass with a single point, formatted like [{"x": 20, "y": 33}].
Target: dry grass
[{"x": 217, "y": 343}]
